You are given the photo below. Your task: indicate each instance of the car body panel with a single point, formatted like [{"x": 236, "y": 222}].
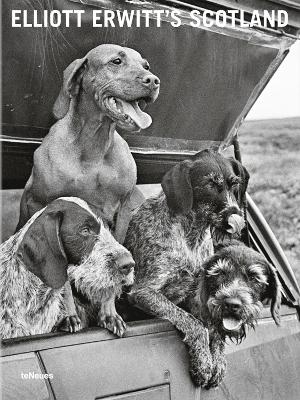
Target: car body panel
[{"x": 94, "y": 364}]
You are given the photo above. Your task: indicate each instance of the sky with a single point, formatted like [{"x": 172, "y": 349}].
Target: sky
[{"x": 281, "y": 97}]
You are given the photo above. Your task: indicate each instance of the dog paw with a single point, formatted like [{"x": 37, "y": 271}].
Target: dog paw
[
  {"x": 199, "y": 378},
  {"x": 218, "y": 374},
  {"x": 200, "y": 371},
  {"x": 200, "y": 363},
  {"x": 71, "y": 324},
  {"x": 113, "y": 323},
  {"x": 217, "y": 350}
]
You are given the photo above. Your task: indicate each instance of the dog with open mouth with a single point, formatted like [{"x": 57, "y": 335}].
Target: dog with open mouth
[
  {"x": 231, "y": 287},
  {"x": 227, "y": 296},
  {"x": 172, "y": 234},
  {"x": 83, "y": 155}
]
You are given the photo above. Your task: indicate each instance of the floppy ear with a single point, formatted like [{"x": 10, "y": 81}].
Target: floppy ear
[
  {"x": 70, "y": 88},
  {"x": 177, "y": 187},
  {"x": 274, "y": 292},
  {"x": 42, "y": 252},
  {"x": 197, "y": 303},
  {"x": 241, "y": 172}
]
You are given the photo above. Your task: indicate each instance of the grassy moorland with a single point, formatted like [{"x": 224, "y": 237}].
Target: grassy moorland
[{"x": 271, "y": 152}]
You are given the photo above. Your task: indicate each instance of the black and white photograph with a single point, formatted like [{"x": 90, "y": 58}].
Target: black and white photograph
[{"x": 150, "y": 200}]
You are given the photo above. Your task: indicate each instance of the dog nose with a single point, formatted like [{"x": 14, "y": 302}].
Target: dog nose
[
  {"x": 127, "y": 288},
  {"x": 151, "y": 81},
  {"x": 233, "y": 304},
  {"x": 125, "y": 264}
]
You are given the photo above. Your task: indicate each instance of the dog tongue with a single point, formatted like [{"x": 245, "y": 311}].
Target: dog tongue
[
  {"x": 142, "y": 119},
  {"x": 231, "y": 324}
]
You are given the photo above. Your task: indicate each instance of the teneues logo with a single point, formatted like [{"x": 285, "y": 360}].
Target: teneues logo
[{"x": 35, "y": 375}]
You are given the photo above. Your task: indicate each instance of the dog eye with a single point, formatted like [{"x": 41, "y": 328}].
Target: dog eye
[
  {"x": 117, "y": 61},
  {"x": 86, "y": 231},
  {"x": 215, "y": 185},
  {"x": 255, "y": 275},
  {"x": 147, "y": 67},
  {"x": 233, "y": 182}
]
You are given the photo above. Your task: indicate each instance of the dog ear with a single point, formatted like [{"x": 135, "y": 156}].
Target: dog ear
[
  {"x": 242, "y": 173},
  {"x": 42, "y": 252},
  {"x": 70, "y": 88},
  {"x": 177, "y": 187},
  {"x": 274, "y": 293}
]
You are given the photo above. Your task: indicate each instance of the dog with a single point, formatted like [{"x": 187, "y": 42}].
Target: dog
[
  {"x": 63, "y": 242},
  {"x": 172, "y": 234},
  {"x": 83, "y": 155},
  {"x": 227, "y": 296}
]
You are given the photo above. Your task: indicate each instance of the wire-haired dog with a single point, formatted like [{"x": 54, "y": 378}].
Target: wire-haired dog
[
  {"x": 227, "y": 296},
  {"x": 63, "y": 240},
  {"x": 169, "y": 237}
]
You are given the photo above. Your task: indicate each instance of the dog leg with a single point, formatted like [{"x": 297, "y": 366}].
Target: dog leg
[
  {"x": 28, "y": 206},
  {"x": 109, "y": 318},
  {"x": 195, "y": 334},
  {"x": 217, "y": 348},
  {"x": 71, "y": 322},
  {"x": 131, "y": 203}
]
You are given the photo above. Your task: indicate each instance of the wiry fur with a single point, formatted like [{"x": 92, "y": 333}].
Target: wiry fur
[
  {"x": 168, "y": 251},
  {"x": 235, "y": 272},
  {"x": 158, "y": 239},
  {"x": 169, "y": 237},
  {"x": 98, "y": 282},
  {"x": 236, "y": 275},
  {"x": 29, "y": 306},
  {"x": 99, "y": 269}
]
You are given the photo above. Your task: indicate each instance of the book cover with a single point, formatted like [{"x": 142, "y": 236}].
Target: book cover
[{"x": 99, "y": 128}]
